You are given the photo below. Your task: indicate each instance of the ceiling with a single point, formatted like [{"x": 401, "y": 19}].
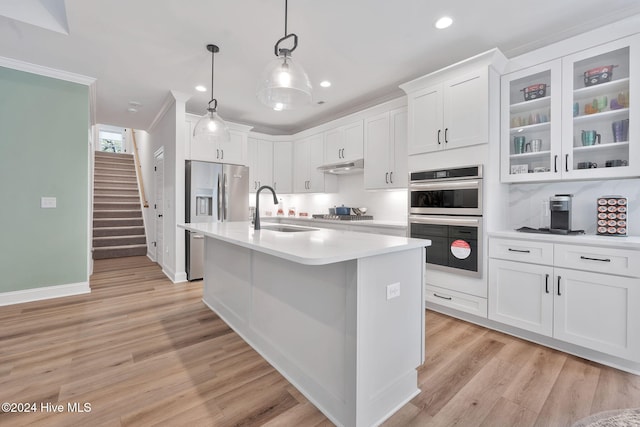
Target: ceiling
[{"x": 140, "y": 50}]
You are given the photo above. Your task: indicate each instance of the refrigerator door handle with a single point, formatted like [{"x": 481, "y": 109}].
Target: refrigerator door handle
[
  {"x": 224, "y": 197},
  {"x": 219, "y": 204}
]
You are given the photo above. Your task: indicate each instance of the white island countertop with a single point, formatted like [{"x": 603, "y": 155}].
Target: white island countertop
[{"x": 318, "y": 247}]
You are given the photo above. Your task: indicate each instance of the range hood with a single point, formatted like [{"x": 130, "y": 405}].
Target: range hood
[{"x": 343, "y": 168}]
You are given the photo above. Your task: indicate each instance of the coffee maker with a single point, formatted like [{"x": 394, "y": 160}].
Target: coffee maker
[{"x": 560, "y": 206}]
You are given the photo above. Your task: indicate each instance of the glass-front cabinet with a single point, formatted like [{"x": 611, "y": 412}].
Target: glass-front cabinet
[
  {"x": 531, "y": 123},
  {"x": 575, "y": 117},
  {"x": 600, "y": 132}
]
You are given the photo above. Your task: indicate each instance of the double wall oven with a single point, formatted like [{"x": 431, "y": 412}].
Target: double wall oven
[{"x": 445, "y": 206}]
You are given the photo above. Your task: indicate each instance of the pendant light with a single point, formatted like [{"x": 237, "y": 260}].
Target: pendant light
[
  {"x": 284, "y": 85},
  {"x": 211, "y": 128}
]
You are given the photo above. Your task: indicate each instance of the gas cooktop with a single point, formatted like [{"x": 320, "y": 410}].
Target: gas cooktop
[{"x": 343, "y": 217}]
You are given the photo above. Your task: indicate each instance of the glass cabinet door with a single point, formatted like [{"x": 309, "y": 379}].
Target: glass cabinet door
[
  {"x": 530, "y": 123},
  {"x": 597, "y": 119}
]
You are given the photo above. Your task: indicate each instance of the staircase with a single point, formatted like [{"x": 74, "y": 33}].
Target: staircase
[{"x": 118, "y": 228}]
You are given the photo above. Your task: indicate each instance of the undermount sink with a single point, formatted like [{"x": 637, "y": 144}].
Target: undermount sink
[{"x": 286, "y": 229}]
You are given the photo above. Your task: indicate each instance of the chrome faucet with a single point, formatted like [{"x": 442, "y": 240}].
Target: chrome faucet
[{"x": 256, "y": 222}]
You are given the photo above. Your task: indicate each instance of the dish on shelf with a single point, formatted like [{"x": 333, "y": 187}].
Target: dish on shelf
[
  {"x": 598, "y": 75},
  {"x": 534, "y": 91}
]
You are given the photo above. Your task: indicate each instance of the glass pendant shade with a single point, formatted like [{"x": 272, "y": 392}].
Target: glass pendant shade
[
  {"x": 211, "y": 129},
  {"x": 284, "y": 85}
]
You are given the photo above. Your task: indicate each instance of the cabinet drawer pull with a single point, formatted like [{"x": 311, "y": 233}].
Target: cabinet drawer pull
[
  {"x": 595, "y": 259},
  {"x": 555, "y": 163},
  {"x": 440, "y": 296},
  {"x": 386, "y": 178},
  {"x": 546, "y": 283},
  {"x": 559, "y": 294},
  {"x": 446, "y": 138},
  {"x": 524, "y": 251},
  {"x": 439, "y": 130},
  {"x": 566, "y": 163},
  {"x": 391, "y": 177}
]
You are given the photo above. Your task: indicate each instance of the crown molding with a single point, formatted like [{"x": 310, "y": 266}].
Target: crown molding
[{"x": 41, "y": 70}]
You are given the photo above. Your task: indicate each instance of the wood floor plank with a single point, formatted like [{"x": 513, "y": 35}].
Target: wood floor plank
[
  {"x": 533, "y": 383},
  {"x": 572, "y": 393},
  {"x": 145, "y": 351},
  {"x": 615, "y": 390},
  {"x": 510, "y": 414}
]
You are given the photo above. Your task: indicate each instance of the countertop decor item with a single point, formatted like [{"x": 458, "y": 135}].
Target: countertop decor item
[
  {"x": 284, "y": 84},
  {"x": 612, "y": 216},
  {"x": 211, "y": 128}
]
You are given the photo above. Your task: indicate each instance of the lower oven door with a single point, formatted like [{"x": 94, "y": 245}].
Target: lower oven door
[{"x": 454, "y": 241}]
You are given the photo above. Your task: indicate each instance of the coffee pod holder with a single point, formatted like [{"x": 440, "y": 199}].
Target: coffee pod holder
[{"x": 612, "y": 216}]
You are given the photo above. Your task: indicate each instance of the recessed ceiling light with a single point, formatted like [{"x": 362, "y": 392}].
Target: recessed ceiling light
[
  {"x": 443, "y": 22},
  {"x": 135, "y": 103},
  {"x": 325, "y": 83},
  {"x": 132, "y": 110},
  {"x": 279, "y": 106},
  {"x": 201, "y": 88}
]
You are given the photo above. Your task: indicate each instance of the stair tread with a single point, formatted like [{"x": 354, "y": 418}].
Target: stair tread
[
  {"x": 126, "y": 236},
  {"x": 105, "y": 248},
  {"x": 122, "y": 227}
]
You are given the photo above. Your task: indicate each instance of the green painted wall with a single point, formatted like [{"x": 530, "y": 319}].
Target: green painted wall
[{"x": 43, "y": 152}]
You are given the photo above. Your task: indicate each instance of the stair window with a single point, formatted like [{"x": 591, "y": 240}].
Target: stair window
[{"x": 111, "y": 142}]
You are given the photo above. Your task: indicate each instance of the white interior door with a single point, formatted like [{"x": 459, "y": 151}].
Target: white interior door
[{"x": 159, "y": 206}]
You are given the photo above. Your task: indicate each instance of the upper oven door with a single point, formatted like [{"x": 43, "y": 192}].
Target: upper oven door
[{"x": 462, "y": 197}]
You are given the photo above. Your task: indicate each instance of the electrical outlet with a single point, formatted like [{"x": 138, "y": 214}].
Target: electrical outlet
[
  {"x": 48, "y": 202},
  {"x": 393, "y": 290}
]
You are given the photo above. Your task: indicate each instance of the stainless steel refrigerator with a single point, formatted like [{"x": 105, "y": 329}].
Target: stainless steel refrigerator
[{"x": 215, "y": 192}]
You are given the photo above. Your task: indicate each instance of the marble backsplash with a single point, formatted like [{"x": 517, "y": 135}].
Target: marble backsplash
[{"x": 529, "y": 203}]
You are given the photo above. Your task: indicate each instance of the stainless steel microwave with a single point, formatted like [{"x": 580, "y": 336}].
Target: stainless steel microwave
[{"x": 446, "y": 192}]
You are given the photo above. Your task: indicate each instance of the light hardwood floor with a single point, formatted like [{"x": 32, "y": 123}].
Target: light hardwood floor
[{"x": 143, "y": 351}]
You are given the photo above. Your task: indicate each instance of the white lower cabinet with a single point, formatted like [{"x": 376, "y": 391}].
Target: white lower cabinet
[
  {"x": 597, "y": 311},
  {"x": 520, "y": 295},
  {"x": 456, "y": 300},
  {"x": 593, "y": 309}
]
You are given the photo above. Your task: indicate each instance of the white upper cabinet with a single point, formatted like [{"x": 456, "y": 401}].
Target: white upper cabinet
[
  {"x": 385, "y": 141},
  {"x": 308, "y": 154},
  {"x": 260, "y": 163},
  {"x": 530, "y": 123},
  {"x": 344, "y": 143},
  {"x": 577, "y": 119},
  {"x": 282, "y": 166},
  {"x": 450, "y": 108}
]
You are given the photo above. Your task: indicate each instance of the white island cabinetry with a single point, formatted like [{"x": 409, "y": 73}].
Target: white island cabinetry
[{"x": 339, "y": 314}]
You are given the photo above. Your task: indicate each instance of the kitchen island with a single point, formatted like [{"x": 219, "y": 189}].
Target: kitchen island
[{"x": 340, "y": 314}]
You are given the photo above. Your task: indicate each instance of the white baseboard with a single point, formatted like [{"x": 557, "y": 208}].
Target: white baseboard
[
  {"x": 47, "y": 292},
  {"x": 173, "y": 276}
]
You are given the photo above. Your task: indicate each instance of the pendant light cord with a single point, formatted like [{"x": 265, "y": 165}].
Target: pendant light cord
[
  {"x": 215, "y": 101},
  {"x": 286, "y": 8},
  {"x": 285, "y": 51}
]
